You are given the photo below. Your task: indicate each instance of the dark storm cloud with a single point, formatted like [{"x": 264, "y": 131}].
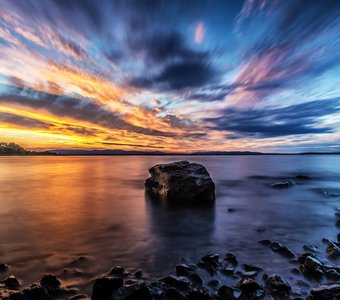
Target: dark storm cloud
[
  {"x": 79, "y": 109},
  {"x": 180, "y": 66},
  {"x": 22, "y": 121},
  {"x": 274, "y": 122},
  {"x": 180, "y": 75}
]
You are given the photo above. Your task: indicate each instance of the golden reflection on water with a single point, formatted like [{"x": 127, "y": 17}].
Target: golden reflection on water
[{"x": 77, "y": 217}]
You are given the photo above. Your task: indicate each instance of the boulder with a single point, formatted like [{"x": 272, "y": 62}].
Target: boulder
[{"x": 181, "y": 182}]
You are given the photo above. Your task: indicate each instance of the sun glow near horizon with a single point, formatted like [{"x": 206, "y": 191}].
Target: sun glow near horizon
[{"x": 133, "y": 77}]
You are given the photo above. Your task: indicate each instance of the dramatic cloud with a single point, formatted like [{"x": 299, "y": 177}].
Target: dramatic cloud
[
  {"x": 273, "y": 122},
  {"x": 171, "y": 75}
]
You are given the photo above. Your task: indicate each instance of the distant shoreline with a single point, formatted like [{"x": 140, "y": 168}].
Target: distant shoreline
[{"x": 171, "y": 154}]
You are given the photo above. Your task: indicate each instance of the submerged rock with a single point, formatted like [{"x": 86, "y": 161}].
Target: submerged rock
[
  {"x": 182, "y": 182},
  {"x": 283, "y": 184}
]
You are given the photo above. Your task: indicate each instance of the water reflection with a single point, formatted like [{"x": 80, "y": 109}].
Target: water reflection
[
  {"x": 179, "y": 231},
  {"x": 55, "y": 209}
]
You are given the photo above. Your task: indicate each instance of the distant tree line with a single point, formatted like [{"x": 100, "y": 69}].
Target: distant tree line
[
  {"x": 15, "y": 149},
  {"x": 12, "y": 149}
]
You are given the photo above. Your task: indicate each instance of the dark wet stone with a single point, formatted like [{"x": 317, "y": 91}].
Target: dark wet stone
[
  {"x": 231, "y": 210},
  {"x": 139, "y": 274},
  {"x": 278, "y": 248},
  {"x": 295, "y": 271},
  {"x": 302, "y": 177},
  {"x": 338, "y": 236},
  {"x": 3, "y": 268},
  {"x": 333, "y": 250},
  {"x": 231, "y": 258},
  {"x": 117, "y": 271},
  {"x": 228, "y": 270},
  {"x": 283, "y": 184},
  {"x": 199, "y": 294},
  {"x": 147, "y": 291},
  {"x": 265, "y": 276},
  {"x": 182, "y": 182},
  {"x": 104, "y": 287},
  {"x": 34, "y": 292},
  {"x": 175, "y": 281},
  {"x": 210, "y": 258},
  {"x": 11, "y": 282},
  {"x": 214, "y": 283},
  {"x": 196, "y": 280},
  {"x": 277, "y": 284},
  {"x": 184, "y": 269},
  {"x": 310, "y": 248},
  {"x": 250, "y": 268},
  {"x": 311, "y": 265},
  {"x": 332, "y": 274},
  {"x": 210, "y": 263},
  {"x": 260, "y": 230},
  {"x": 14, "y": 295},
  {"x": 337, "y": 223},
  {"x": 265, "y": 242},
  {"x": 249, "y": 286},
  {"x": 286, "y": 252},
  {"x": 226, "y": 292},
  {"x": 173, "y": 294},
  {"x": 50, "y": 283},
  {"x": 326, "y": 292},
  {"x": 325, "y": 241}
]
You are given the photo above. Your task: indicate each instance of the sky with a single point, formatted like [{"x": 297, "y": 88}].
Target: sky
[{"x": 175, "y": 76}]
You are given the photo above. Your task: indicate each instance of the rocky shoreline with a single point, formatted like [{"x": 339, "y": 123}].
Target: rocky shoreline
[{"x": 203, "y": 280}]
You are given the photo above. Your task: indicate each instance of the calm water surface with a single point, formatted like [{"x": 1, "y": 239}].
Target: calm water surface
[{"x": 77, "y": 217}]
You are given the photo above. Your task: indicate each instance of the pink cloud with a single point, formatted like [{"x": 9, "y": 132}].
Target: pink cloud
[{"x": 199, "y": 33}]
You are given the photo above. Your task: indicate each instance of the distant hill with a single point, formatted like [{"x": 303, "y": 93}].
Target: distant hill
[
  {"x": 124, "y": 152},
  {"x": 15, "y": 149}
]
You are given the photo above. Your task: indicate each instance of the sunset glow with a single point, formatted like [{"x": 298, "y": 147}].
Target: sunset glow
[{"x": 176, "y": 76}]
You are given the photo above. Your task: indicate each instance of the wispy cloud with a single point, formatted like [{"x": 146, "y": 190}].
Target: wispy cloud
[{"x": 141, "y": 74}]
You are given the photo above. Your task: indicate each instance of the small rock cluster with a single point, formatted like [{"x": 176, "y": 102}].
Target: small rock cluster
[{"x": 49, "y": 287}]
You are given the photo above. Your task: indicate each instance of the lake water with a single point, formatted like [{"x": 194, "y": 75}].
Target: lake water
[{"x": 77, "y": 217}]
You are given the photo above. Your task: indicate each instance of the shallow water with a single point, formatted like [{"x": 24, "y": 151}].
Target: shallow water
[{"x": 77, "y": 217}]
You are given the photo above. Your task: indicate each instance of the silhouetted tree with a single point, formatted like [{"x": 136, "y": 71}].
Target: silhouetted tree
[{"x": 11, "y": 149}]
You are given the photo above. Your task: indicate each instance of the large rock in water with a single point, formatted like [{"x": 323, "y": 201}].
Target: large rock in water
[{"x": 181, "y": 182}]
